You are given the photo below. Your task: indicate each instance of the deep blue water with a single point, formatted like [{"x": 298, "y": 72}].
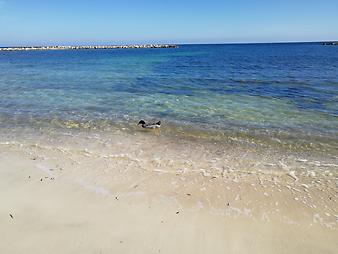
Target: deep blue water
[{"x": 286, "y": 87}]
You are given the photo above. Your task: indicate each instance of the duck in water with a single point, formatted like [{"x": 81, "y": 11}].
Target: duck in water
[{"x": 149, "y": 125}]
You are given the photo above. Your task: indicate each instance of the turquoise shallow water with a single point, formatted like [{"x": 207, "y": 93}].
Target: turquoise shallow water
[{"x": 290, "y": 90}]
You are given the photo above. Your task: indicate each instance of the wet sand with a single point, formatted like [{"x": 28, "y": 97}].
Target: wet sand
[{"x": 92, "y": 192}]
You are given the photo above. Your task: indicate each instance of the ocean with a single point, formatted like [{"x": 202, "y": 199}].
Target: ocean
[
  {"x": 249, "y": 140},
  {"x": 285, "y": 94}
]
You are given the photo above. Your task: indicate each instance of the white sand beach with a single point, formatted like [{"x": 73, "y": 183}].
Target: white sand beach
[{"x": 141, "y": 193}]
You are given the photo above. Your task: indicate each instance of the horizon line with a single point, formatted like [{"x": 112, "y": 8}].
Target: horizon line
[{"x": 184, "y": 43}]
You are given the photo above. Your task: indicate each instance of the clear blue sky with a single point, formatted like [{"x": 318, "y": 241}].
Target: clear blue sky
[{"x": 25, "y": 22}]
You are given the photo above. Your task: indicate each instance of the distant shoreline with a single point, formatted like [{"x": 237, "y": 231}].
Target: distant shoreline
[
  {"x": 146, "y": 46},
  {"x": 149, "y": 46}
]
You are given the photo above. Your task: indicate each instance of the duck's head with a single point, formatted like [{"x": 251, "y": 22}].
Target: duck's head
[{"x": 141, "y": 122}]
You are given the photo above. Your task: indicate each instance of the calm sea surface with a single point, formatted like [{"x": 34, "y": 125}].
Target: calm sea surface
[{"x": 262, "y": 89}]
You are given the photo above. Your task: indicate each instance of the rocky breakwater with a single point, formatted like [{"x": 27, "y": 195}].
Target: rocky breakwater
[
  {"x": 147, "y": 46},
  {"x": 330, "y": 43}
]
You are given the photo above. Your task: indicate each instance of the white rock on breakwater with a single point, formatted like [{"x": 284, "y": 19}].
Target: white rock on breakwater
[{"x": 88, "y": 47}]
